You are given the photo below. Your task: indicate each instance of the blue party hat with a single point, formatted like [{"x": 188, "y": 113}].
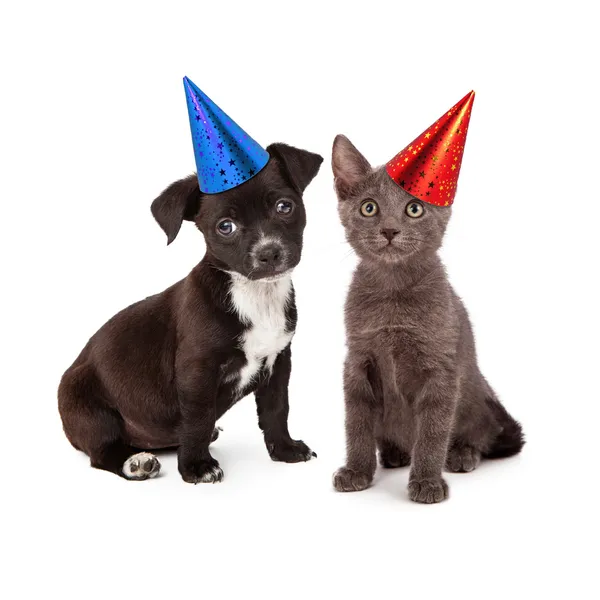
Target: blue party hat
[{"x": 226, "y": 155}]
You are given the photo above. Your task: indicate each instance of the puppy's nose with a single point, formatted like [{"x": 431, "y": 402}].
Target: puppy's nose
[
  {"x": 269, "y": 256},
  {"x": 389, "y": 233}
]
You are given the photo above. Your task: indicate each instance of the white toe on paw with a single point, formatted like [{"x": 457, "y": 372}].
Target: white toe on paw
[
  {"x": 142, "y": 465},
  {"x": 213, "y": 475}
]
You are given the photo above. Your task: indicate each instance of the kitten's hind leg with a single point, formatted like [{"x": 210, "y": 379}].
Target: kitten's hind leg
[
  {"x": 475, "y": 426},
  {"x": 392, "y": 455},
  {"x": 462, "y": 458},
  {"x": 394, "y": 433}
]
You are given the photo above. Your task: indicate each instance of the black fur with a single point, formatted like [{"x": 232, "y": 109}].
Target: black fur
[{"x": 161, "y": 372}]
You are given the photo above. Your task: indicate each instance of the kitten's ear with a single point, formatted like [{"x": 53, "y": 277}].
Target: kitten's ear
[
  {"x": 181, "y": 200},
  {"x": 349, "y": 165},
  {"x": 300, "y": 166}
]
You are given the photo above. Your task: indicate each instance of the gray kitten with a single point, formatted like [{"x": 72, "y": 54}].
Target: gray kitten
[{"x": 412, "y": 385}]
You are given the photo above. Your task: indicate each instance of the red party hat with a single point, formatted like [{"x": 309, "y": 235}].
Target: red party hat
[{"x": 428, "y": 167}]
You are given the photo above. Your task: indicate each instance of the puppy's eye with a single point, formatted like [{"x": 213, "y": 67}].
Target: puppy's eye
[
  {"x": 226, "y": 227},
  {"x": 369, "y": 208},
  {"x": 414, "y": 209},
  {"x": 284, "y": 207}
]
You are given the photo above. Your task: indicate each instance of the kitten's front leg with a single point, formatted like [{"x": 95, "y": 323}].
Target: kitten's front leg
[
  {"x": 360, "y": 403},
  {"x": 273, "y": 408},
  {"x": 435, "y": 407}
]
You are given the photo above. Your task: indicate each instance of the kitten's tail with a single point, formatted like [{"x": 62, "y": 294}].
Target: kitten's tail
[{"x": 510, "y": 440}]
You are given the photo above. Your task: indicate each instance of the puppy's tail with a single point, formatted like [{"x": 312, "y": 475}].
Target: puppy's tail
[{"x": 510, "y": 440}]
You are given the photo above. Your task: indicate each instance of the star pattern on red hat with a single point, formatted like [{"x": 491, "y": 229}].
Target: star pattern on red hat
[{"x": 428, "y": 168}]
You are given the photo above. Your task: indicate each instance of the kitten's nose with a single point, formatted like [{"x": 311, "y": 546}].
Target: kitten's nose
[
  {"x": 269, "y": 255},
  {"x": 389, "y": 233}
]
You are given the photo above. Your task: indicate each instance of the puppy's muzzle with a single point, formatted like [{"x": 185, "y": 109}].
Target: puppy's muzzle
[{"x": 269, "y": 257}]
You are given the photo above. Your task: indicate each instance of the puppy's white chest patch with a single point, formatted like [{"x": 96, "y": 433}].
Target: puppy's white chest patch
[{"x": 261, "y": 306}]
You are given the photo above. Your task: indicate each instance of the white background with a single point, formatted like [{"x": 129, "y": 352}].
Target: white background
[{"x": 94, "y": 126}]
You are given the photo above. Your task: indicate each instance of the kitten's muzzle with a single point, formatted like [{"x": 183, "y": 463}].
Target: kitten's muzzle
[{"x": 389, "y": 234}]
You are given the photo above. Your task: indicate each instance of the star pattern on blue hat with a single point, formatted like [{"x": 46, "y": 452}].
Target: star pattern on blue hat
[{"x": 226, "y": 156}]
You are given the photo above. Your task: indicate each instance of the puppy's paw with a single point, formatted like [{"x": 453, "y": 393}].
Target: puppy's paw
[
  {"x": 202, "y": 471},
  {"x": 392, "y": 456},
  {"x": 427, "y": 491},
  {"x": 462, "y": 459},
  {"x": 292, "y": 451},
  {"x": 215, "y": 434},
  {"x": 347, "y": 480},
  {"x": 140, "y": 466}
]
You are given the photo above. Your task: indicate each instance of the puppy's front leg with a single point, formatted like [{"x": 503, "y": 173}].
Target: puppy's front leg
[
  {"x": 197, "y": 399},
  {"x": 273, "y": 409},
  {"x": 435, "y": 407}
]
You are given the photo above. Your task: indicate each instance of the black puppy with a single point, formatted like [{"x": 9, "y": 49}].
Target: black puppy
[{"x": 160, "y": 373}]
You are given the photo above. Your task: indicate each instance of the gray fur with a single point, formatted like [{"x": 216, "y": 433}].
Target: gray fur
[{"x": 412, "y": 386}]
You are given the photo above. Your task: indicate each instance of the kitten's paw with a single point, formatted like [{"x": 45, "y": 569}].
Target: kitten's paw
[
  {"x": 347, "y": 480},
  {"x": 462, "y": 459},
  {"x": 292, "y": 451},
  {"x": 215, "y": 434},
  {"x": 392, "y": 456},
  {"x": 427, "y": 491},
  {"x": 140, "y": 466},
  {"x": 202, "y": 471}
]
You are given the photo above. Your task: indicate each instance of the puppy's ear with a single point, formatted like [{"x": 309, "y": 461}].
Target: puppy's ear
[
  {"x": 181, "y": 200},
  {"x": 349, "y": 165},
  {"x": 300, "y": 166}
]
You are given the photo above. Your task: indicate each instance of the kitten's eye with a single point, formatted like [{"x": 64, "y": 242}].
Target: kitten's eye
[
  {"x": 369, "y": 208},
  {"x": 284, "y": 207},
  {"x": 414, "y": 209},
  {"x": 226, "y": 227}
]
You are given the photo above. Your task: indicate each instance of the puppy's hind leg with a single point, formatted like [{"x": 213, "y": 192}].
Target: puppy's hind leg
[
  {"x": 125, "y": 460},
  {"x": 92, "y": 427},
  {"x": 139, "y": 466}
]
